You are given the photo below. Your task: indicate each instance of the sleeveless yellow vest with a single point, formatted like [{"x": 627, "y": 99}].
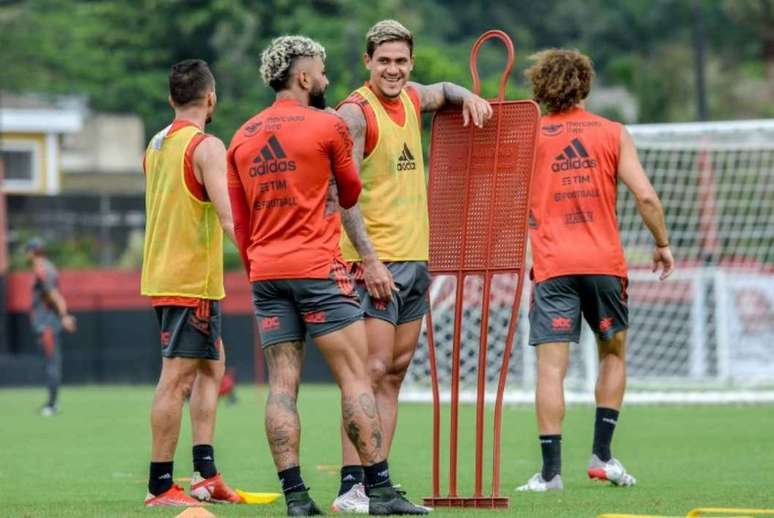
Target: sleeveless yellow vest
[
  {"x": 183, "y": 252},
  {"x": 394, "y": 196}
]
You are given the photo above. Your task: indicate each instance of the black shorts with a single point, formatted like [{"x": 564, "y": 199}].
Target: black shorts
[
  {"x": 287, "y": 309},
  {"x": 409, "y": 303},
  {"x": 556, "y": 305},
  {"x": 188, "y": 332}
]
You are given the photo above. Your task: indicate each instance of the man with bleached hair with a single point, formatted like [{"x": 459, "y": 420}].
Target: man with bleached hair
[{"x": 281, "y": 164}]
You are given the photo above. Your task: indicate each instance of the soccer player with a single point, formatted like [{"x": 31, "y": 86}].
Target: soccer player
[
  {"x": 387, "y": 232},
  {"x": 281, "y": 164},
  {"x": 49, "y": 317},
  {"x": 578, "y": 261},
  {"x": 186, "y": 203}
]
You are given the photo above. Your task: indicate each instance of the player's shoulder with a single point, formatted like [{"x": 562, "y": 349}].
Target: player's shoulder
[
  {"x": 412, "y": 90},
  {"x": 601, "y": 120},
  {"x": 207, "y": 147},
  {"x": 355, "y": 98},
  {"x": 325, "y": 121},
  {"x": 44, "y": 269},
  {"x": 211, "y": 141},
  {"x": 354, "y": 104}
]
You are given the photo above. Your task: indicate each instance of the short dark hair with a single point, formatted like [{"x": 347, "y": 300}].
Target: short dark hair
[
  {"x": 35, "y": 245},
  {"x": 189, "y": 81}
]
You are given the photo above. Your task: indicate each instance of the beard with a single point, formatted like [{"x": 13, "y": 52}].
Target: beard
[{"x": 317, "y": 99}]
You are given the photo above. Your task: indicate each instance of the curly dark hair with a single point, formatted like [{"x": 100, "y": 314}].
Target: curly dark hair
[{"x": 561, "y": 78}]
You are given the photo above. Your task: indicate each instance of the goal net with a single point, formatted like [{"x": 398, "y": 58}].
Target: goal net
[{"x": 704, "y": 335}]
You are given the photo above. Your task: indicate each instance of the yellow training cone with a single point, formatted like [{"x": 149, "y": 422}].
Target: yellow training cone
[{"x": 257, "y": 498}]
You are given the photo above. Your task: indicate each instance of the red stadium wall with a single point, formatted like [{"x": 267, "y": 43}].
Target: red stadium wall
[
  {"x": 117, "y": 339},
  {"x": 101, "y": 290}
]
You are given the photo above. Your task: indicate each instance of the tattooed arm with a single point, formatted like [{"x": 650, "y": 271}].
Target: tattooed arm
[
  {"x": 436, "y": 96},
  {"x": 378, "y": 279}
]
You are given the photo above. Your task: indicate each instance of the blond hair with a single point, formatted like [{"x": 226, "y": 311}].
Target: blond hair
[
  {"x": 561, "y": 78},
  {"x": 387, "y": 30},
  {"x": 277, "y": 59}
]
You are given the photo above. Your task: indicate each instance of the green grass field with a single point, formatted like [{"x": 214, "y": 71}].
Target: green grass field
[{"x": 91, "y": 460}]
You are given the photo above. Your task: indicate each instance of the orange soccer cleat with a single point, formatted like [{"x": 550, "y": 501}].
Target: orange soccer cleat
[
  {"x": 172, "y": 497},
  {"x": 213, "y": 489}
]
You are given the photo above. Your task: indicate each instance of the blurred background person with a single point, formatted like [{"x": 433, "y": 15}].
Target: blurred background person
[{"x": 49, "y": 317}]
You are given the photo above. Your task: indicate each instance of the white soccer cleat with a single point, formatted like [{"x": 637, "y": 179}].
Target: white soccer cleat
[
  {"x": 49, "y": 411},
  {"x": 537, "y": 484},
  {"x": 353, "y": 501},
  {"x": 611, "y": 470}
]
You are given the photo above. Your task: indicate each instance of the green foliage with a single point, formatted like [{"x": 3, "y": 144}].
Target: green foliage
[
  {"x": 74, "y": 252},
  {"x": 118, "y": 53},
  {"x": 232, "y": 261}
]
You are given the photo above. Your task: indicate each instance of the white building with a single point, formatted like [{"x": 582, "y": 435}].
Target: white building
[{"x": 50, "y": 148}]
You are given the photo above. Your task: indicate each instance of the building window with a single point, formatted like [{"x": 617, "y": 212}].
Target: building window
[
  {"x": 18, "y": 165},
  {"x": 21, "y": 165}
]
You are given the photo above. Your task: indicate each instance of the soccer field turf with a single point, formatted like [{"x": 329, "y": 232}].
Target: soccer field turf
[{"x": 92, "y": 459}]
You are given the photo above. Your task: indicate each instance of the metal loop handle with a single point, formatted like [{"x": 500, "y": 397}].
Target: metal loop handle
[{"x": 488, "y": 35}]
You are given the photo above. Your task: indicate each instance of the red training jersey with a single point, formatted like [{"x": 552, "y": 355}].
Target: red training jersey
[
  {"x": 281, "y": 164},
  {"x": 573, "y": 221}
]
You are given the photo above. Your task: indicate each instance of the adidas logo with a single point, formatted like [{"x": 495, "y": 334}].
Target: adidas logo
[
  {"x": 272, "y": 159},
  {"x": 574, "y": 156},
  {"x": 165, "y": 476},
  {"x": 406, "y": 160},
  {"x": 348, "y": 478}
]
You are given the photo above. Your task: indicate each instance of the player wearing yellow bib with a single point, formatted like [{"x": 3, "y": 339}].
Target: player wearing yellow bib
[
  {"x": 387, "y": 232},
  {"x": 186, "y": 203}
]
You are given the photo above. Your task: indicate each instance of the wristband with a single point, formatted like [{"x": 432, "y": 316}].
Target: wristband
[{"x": 662, "y": 246}]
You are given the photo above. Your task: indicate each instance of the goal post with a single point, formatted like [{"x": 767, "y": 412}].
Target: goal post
[{"x": 704, "y": 335}]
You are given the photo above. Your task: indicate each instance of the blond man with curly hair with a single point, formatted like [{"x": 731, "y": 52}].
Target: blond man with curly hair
[
  {"x": 287, "y": 225},
  {"x": 578, "y": 261}
]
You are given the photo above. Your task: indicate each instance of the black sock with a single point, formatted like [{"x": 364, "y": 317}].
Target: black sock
[
  {"x": 291, "y": 480},
  {"x": 53, "y": 392},
  {"x": 204, "y": 460},
  {"x": 350, "y": 475},
  {"x": 604, "y": 426},
  {"x": 160, "y": 478},
  {"x": 377, "y": 475},
  {"x": 551, "y": 448}
]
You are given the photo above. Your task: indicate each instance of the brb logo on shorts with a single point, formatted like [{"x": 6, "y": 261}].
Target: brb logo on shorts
[
  {"x": 573, "y": 157},
  {"x": 406, "y": 160},
  {"x": 270, "y": 323},
  {"x": 605, "y": 324},
  {"x": 272, "y": 159},
  {"x": 315, "y": 317},
  {"x": 561, "y": 324}
]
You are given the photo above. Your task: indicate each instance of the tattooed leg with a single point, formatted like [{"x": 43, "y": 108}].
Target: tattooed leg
[
  {"x": 346, "y": 352},
  {"x": 283, "y": 427}
]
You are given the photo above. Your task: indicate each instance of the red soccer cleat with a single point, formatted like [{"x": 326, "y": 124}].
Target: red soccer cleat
[
  {"x": 213, "y": 489},
  {"x": 172, "y": 497}
]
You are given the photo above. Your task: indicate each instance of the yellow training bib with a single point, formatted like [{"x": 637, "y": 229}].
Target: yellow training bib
[
  {"x": 183, "y": 252},
  {"x": 394, "y": 196}
]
